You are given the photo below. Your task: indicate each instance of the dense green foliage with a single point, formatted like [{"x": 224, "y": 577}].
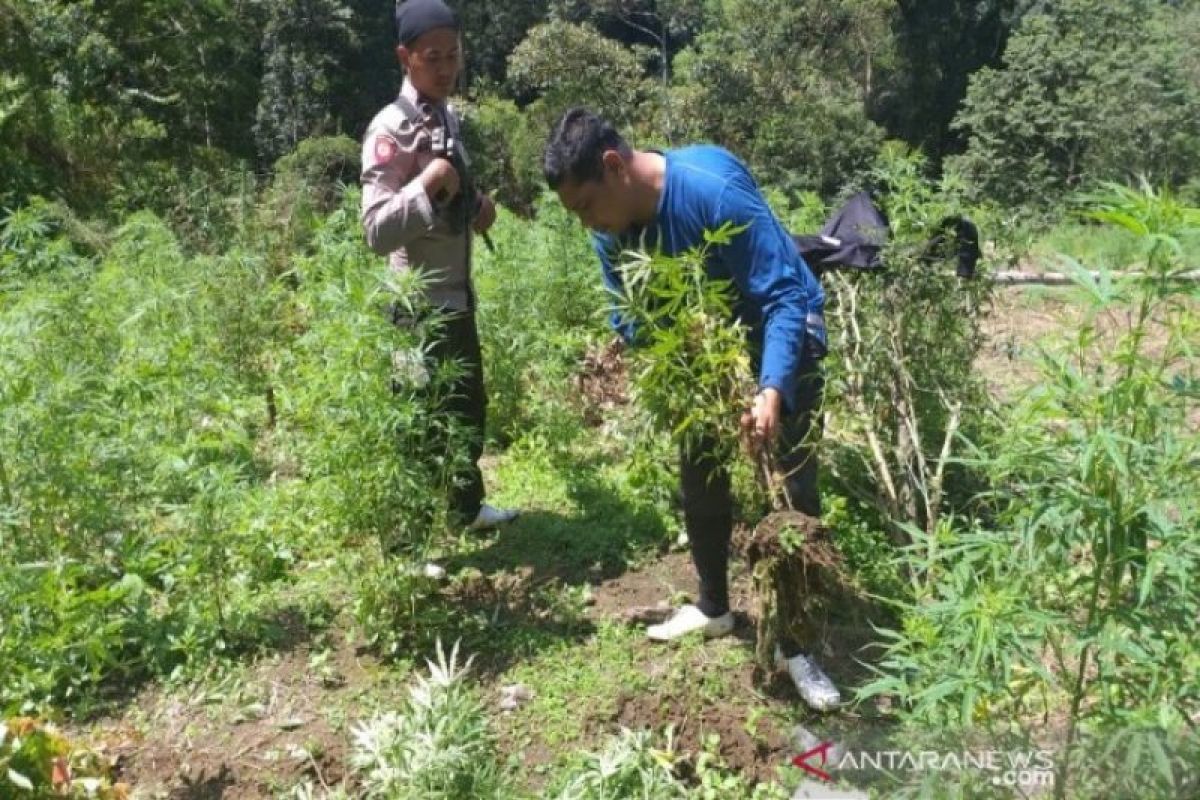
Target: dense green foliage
[
  {"x": 1089, "y": 91},
  {"x": 211, "y": 437},
  {"x": 684, "y": 337},
  {"x": 132, "y": 105},
  {"x": 162, "y": 413},
  {"x": 902, "y": 374},
  {"x": 532, "y": 349},
  {"x": 1077, "y": 590}
]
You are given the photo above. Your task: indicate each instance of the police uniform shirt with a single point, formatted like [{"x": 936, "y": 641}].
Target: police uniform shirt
[{"x": 399, "y": 219}]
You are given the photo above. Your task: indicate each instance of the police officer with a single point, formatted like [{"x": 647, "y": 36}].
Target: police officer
[{"x": 420, "y": 207}]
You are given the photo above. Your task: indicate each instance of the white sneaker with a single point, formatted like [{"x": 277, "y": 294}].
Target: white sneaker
[
  {"x": 491, "y": 517},
  {"x": 689, "y": 619},
  {"x": 434, "y": 571},
  {"x": 813, "y": 684}
]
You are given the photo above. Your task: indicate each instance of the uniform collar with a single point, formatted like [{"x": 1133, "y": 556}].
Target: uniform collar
[{"x": 410, "y": 93}]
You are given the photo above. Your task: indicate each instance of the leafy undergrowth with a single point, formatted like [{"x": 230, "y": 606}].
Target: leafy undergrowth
[
  {"x": 538, "y": 606},
  {"x": 218, "y": 552}
]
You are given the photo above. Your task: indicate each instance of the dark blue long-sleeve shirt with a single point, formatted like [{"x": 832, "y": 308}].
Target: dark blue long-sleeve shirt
[{"x": 778, "y": 297}]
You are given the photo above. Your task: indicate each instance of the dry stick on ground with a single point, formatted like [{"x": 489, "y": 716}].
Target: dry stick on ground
[{"x": 1017, "y": 277}]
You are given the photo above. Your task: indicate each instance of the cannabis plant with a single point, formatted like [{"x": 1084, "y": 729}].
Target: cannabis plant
[
  {"x": 1073, "y": 604},
  {"x": 629, "y": 768},
  {"x": 437, "y": 747},
  {"x": 691, "y": 370},
  {"x": 901, "y": 374},
  {"x": 175, "y": 428}
]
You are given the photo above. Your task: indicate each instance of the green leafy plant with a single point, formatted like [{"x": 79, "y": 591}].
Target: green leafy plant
[
  {"x": 630, "y": 766},
  {"x": 437, "y": 746},
  {"x": 38, "y": 762},
  {"x": 687, "y": 338},
  {"x": 178, "y": 430},
  {"x": 902, "y": 381},
  {"x": 1081, "y": 606},
  {"x": 531, "y": 349}
]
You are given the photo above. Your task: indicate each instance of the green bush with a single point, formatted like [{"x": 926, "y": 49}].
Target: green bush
[
  {"x": 438, "y": 746},
  {"x": 39, "y": 239},
  {"x": 686, "y": 338},
  {"x": 1090, "y": 91},
  {"x": 506, "y": 152},
  {"x": 1080, "y": 603},
  {"x": 630, "y": 766},
  {"x": 354, "y": 408},
  {"x": 564, "y": 64},
  {"x": 308, "y": 183},
  {"x": 540, "y": 301},
  {"x": 902, "y": 382},
  {"x": 130, "y": 387},
  {"x": 176, "y": 428}
]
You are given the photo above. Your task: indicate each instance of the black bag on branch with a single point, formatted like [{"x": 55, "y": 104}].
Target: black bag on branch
[{"x": 854, "y": 237}]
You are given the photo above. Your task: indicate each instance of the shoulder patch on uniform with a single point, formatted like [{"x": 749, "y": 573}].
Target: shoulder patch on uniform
[{"x": 385, "y": 149}]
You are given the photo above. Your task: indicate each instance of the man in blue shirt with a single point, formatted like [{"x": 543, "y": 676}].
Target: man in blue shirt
[{"x": 666, "y": 201}]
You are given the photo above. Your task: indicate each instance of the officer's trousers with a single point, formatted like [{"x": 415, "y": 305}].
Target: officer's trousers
[{"x": 467, "y": 401}]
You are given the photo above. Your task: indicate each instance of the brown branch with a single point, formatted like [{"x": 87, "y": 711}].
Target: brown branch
[
  {"x": 883, "y": 472},
  {"x": 943, "y": 457}
]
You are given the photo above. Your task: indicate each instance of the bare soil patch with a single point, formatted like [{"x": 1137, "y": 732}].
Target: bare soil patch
[
  {"x": 752, "y": 748},
  {"x": 645, "y": 595},
  {"x": 270, "y": 730}
]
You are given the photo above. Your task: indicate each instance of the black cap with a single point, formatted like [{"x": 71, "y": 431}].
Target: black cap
[{"x": 415, "y": 17}]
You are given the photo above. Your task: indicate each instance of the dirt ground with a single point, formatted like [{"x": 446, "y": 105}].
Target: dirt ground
[
  {"x": 284, "y": 720},
  {"x": 752, "y": 747},
  {"x": 251, "y": 737}
]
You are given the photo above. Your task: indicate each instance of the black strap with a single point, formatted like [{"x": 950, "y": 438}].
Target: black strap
[{"x": 410, "y": 111}]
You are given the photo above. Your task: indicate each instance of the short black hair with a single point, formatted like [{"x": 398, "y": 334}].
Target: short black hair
[{"x": 576, "y": 147}]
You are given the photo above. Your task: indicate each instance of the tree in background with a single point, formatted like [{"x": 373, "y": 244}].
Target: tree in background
[
  {"x": 1090, "y": 90},
  {"x": 491, "y": 31},
  {"x": 98, "y": 90},
  {"x": 507, "y": 150},
  {"x": 939, "y": 44},
  {"x": 782, "y": 84},
  {"x": 563, "y": 64},
  {"x": 29, "y": 157},
  {"x": 665, "y": 25},
  {"x": 301, "y": 43},
  {"x": 124, "y": 104},
  {"x": 367, "y": 74}
]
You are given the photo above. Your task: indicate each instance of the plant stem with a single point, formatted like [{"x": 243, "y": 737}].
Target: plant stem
[
  {"x": 5, "y": 484},
  {"x": 1060, "y": 784}
]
